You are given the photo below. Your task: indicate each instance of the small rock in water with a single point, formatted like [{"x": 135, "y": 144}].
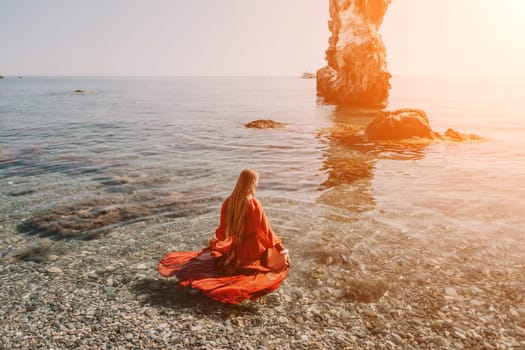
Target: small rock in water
[
  {"x": 264, "y": 124},
  {"x": 366, "y": 291},
  {"x": 37, "y": 252},
  {"x": 457, "y": 136},
  {"x": 21, "y": 193}
]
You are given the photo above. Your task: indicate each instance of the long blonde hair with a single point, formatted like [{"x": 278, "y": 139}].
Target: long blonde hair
[{"x": 237, "y": 202}]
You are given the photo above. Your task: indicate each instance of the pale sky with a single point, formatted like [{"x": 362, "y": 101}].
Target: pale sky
[{"x": 250, "y": 37}]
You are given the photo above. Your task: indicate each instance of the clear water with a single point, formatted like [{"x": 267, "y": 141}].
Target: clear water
[{"x": 187, "y": 135}]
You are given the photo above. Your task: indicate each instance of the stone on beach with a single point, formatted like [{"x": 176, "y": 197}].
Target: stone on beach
[{"x": 54, "y": 269}]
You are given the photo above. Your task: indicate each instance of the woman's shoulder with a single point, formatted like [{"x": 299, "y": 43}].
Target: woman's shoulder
[{"x": 254, "y": 204}]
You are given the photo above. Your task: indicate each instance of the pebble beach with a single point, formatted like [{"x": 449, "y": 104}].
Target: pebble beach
[{"x": 404, "y": 293}]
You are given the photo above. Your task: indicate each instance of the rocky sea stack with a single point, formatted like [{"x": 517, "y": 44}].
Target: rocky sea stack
[{"x": 356, "y": 74}]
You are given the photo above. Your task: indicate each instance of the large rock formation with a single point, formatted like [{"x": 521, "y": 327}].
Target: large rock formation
[{"x": 356, "y": 74}]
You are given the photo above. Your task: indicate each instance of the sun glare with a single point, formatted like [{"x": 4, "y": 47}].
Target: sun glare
[
  {"x": 513, "y": 9},
  {"x": 518, "y": 5}
]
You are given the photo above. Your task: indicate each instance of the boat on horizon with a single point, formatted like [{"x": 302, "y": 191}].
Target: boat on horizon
[{"x": 307, "y": 75}]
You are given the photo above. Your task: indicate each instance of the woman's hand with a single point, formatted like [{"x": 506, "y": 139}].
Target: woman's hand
[
  {"x": 286, "y": 257},
  {"x": 214, "y": 240}
]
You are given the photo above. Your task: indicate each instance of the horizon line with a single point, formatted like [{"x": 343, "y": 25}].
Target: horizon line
[{"x": 411, "y": 75}]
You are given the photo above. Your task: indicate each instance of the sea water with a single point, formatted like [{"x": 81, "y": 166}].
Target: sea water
[{"x": 186, "y": 135}]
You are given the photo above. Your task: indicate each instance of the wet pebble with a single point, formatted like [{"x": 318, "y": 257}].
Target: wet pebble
[{"x": 54, "y": 269}]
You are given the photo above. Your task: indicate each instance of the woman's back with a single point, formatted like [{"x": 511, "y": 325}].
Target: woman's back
[
  {"x": 257, "y": 235},
  {"x": 255, "y": 238}
]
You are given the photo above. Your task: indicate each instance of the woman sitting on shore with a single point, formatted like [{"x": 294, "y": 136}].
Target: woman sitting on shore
[{"x": 244, "y": 260}]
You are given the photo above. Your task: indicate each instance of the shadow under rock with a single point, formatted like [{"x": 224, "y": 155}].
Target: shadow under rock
[{"x": 167, "y": 293}]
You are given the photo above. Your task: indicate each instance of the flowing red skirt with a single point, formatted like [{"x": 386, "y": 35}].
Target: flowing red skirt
[{"x": 200, "y": 271}]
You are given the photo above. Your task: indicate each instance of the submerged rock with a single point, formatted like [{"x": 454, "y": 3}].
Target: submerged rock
[
  {"x": 365, "y": 291},
  {"x": 11, "y": 154},
  {"x": 94, "y": 218},
  {"x": 400, "y": 124},
  {"x": 130, "y": 178},
  {"x": 40, "y": 251},
  {"x": 356, "y": 74},
  {"x": 7, "y": 154},
  {"x": 21, "y": 193},
  {"x": 264, "y": 124},
  {"x": 84, "y": 92}
]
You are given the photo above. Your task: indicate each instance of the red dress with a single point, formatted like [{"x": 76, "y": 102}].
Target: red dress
[{"x": 227, "y": 271}]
